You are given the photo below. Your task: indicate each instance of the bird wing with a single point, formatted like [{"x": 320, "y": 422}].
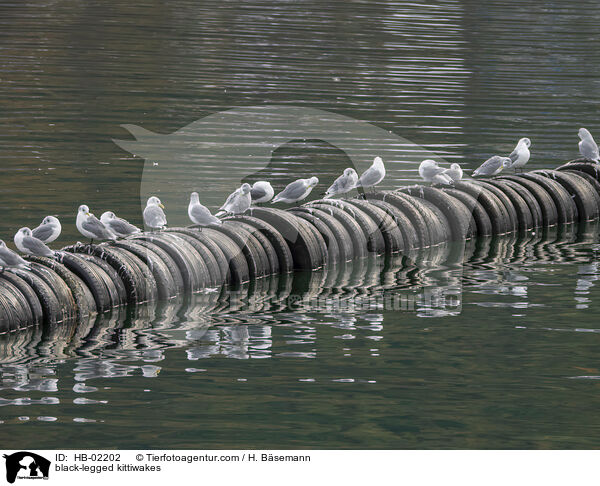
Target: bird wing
[
  {"x": 122, "y": 227},
  {"x": 338, "y": 185},
  {"x": 369, "y": 177},
  {"x": 202, "y": 214},
  {"x": 514, "y": 155},
  {"x": 155, "y": 216},
  {"x": 257, "y": 193},
  {"x": 489, "y": 166},
  {"x": 43, "y": 232},
  {"x": 36, "y": 246},
  {"x": 10, "y": 258},
  {"x": 95, "y": 226},
  {"x": 589, "y": 149},
  {"x": 230, "y": 200},
  {"x": 293, "y": 190}
]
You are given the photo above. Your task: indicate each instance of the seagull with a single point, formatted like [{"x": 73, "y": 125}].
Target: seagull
[
  {"x": 200, "y": 214},
  {"x": 296, "y": 191},
  {"x": 238, "y": 201},
  {"x": 493, "y": 166},
  {"x": 373, "y": 175},
  {"x": 154, "y": 216},
  {"x": 91, "y": 227},
  {"x": 587, "y": 146},
  {"x": 118, "y": 226},
  {"x": 343, "y": 184},
  {"x": 9, "y": 259},
  {"x": 430, "y": 171},
  {"x": 455, "y": 172},
  {"x": 520, "y": 155},
  {"x": 30, "y": 245},
  {"x": 49, "y": 230},
  {"x": 261, "y": 192}
]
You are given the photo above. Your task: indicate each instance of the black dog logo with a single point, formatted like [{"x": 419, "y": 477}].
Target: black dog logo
[{"x": 32, "y": 465}]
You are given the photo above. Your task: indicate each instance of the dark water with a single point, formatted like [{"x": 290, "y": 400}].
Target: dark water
[{"x": 514, "y": 364}]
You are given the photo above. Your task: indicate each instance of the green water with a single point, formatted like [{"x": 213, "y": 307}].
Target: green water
[{"x": 303, "y": 361}]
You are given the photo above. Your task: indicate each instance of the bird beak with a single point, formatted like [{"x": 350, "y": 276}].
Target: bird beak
[
  {"x": 88, "y": 214},
  {"x": 162, "y": 205}
]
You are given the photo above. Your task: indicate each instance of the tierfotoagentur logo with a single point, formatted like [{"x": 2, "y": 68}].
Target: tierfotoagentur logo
[{"x": 26, "y": 465}]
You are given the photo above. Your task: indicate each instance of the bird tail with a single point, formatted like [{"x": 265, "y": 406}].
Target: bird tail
[
  {"x": 275, "y": 199},
  {"x": 221, "y": 213}
]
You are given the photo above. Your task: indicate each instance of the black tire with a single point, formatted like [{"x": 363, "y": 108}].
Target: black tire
[
  {"x": 165, "y": 285},
  {"x": 581, "y": 191},
  {"x": 591, "y": 180},
  {"x": 91, "y": 276},
  {"x": 410, "y": 239},
  {"x": 566, "y": 208},
  {"x": 546, "y": 203},
  {"x": 286, "y": 260},
  {"x": 51, "y": 306},
  {"x": 354, "y": 230},
  {"x": 537, "y": 218},
  {"x": 406, "y": 207},
  {"x": 392, "y": 235},
  {"x": 140, "y": 286},
  {"x": 335, "y": 253},
  {"x": 19, "y": 313},
  {"x": 437, "y": 224},
  {"x": 85, "y": 304},
  {"x": 260, "y": 237},
  {"x": 479, "y": 216},
  {"x": 513, "y": 218},
  {"x": 37, "y": 312},
  {"x": 525, "y": 220},
  {"x": 375, "y": 238},
  {"x": 255, "y": 255},
  {"x": 454, "y": 210},
  {"x": 216, "y": 276},
  {"x": 239, "y": 272},
  {"x": 308, "y": 249},
  {"x": 68, "y": 309},
  {"x": 499, "y": 217},
  {"x": 193, "y": 269},
  {"x": 110, "y": 277},
  {"x": 168, "y": 261},
  {"x": 581, "y": 165}
]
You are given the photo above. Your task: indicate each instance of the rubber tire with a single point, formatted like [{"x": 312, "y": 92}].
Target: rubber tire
[
  {"x": 18, "y": 313},
  {"x": 479, "y": 216},
  {"x": 567, "y": 210},
  {"x": 335, "y": 252},
  {"x": 524, "y": 218},
  {"x": 410, "y": 239},
  {"x": 239, "y": 272},
  {"x": 535, "y": 210},
  {"x": 545, "y": 201},
  {"x": 32, "y": 299},
  {"x": 392, "y": 235}
]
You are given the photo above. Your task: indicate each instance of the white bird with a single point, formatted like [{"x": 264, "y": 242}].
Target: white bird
[
  {"x": 373, "y": 175},
  {"x": 493, "y": 166},
  {"x": 520, "y": 155},
  {"x": 296, "y": 191},
  {"x": 30, "y": 245},
  {"x": 200, "y": 214},
  {"x": 154, "y": 216},
  {"x": 261, "y": 192},
  {"x": 119, "y": 226},
  {"x": 9, "y": 259},
  {"x": 343, "y": 184},
  {"x": 455, "y": 172},
  {"x": 91, "y": 227},
  {"x": 238, "y": 201},
  {"x": 49, "y": 230},
  {"x": 430, "y": 171},
  {"x": 587, "y": 147}
]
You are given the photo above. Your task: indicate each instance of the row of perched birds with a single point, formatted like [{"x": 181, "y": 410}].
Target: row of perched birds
[{"x": 110, "y": 227}]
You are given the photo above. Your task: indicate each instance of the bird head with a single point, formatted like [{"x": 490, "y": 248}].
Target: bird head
[
  {"x": 350, "y": 172},
  {"x": 506, "y": 162},
  {"x": 194, "y": 197},
  {"x": 83, "y": 209},
  {"x": 107, "y": 215},
  {"x": 584, "y": 134},
  {"x": 245, "y": 188},
  {"x": 154, "y": 201},
  {"x": 377, "y": 161},
  {"x": 313, "y": 181},
  {"x": 526, "y": 142},
  {"x": 24, "y": 232},
  {"x": 50, "y": 220}
]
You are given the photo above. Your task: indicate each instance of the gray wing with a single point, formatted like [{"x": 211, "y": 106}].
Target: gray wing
[
  {"x": 36, "y": 247},
  {"x": 294, "y": 190},
  {"x": 202, "y": 214},
  {"x": 155, "y": 217},
  {"x": 490, "y": 165},
  {"x": 514, "y": 155},
  {"x": 589, "y": 149},
  {"x": 341, "y": 184},
  {"x": 96, "y": 227},
  {"x": 431, "y": 172},
  {"x": 43, "y": 232},
  {"x": 229, "y": 200},
  {"x": 370, "y": 177},
  {"x": 122, "y": 227},
  {"x": 10, "y": 258},
  {"x": 257, "y": 193}
]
